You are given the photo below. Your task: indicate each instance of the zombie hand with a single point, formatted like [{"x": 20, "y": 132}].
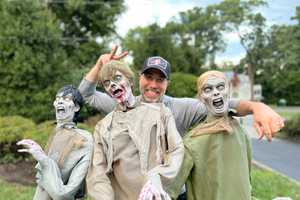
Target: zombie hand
[
  {"x": 33, "y": 148},
  {"x": 105, "y": 58},
  {"x": 153, "y": 190}
]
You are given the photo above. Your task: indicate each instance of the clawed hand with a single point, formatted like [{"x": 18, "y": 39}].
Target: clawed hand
[{"x": 33, "y": 148}]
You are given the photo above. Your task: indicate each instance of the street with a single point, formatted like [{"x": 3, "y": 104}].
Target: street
[{"x": 281, "y": 155}]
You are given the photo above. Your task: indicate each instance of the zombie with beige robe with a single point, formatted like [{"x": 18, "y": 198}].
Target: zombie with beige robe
[
  {"x": 137, "y": 149},
  {"x": 217, "y": 158},
  {"x": 62, "y": 168}
]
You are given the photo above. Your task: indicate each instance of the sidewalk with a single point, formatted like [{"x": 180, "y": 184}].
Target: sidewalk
[{"x": 280, "y": 155}]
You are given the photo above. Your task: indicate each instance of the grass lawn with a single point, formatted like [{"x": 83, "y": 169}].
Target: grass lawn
[
  {"x": 11, "y": 191},
  {"x": 266, "y": 186}
]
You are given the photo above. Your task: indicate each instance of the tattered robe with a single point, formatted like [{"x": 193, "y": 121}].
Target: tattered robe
[
  {"x": 216, "y": 166},
  {"x": 64, "y": 182},
  {"x": 130, "y": 147}
]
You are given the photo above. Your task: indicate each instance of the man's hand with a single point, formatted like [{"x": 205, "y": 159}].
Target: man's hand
[
  {"x": 33, "y": 148},
  {"x": 266, "y": 121},
  {"x": 92, "y": 75},
  {"x": 105, "y": 58}
]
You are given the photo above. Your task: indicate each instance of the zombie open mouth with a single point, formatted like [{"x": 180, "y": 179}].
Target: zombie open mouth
[
  {"x": 218, "y": 103},
  {"x": 117, "y": 93},
  {"x": 60, "y": 109}
]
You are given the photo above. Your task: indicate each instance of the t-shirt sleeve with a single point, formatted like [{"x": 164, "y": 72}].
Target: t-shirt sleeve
[{"x": 98, "y": 100}]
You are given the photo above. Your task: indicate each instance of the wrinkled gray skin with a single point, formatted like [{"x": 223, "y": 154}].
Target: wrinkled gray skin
[
  {"x": 64, "y": 108},
  {"x": 215, "y": 93},
  {"x": 119, "y": 88}
]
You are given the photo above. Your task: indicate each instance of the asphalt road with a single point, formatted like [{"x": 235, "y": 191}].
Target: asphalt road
[{"x": 280, "y": 155}]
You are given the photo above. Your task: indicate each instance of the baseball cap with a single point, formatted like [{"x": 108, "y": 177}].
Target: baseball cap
[{"x": 157, "y": 62}]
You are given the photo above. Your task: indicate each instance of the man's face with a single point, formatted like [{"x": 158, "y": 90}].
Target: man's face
[
  {"x": 118, "y": 87},
  {"x": 153, "y": 85},
  {"x": 64, "y": 107},
  {"x": 215, "y": 95}
]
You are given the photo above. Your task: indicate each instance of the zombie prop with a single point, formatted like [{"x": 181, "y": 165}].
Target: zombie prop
[
  {"x": 62, "y": 168},
  {"x": 137, "y": 149},
  {"x": 217, "y": 156}
]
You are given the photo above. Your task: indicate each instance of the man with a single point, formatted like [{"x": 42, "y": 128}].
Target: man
[
  {"x": 63, "y": 167},
  {"x": 187, "y": 112}
]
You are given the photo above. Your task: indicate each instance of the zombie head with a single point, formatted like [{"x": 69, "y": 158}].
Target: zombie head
[
  {"x": 117, "y": 79},
  {"x": 67, "y": 104},
  {"x": 213, "y": 90}
]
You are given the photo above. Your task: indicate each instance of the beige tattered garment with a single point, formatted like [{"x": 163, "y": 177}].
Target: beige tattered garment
[
  {"x": 63, "y": 179},
  {"x": 130, "y": 147}
]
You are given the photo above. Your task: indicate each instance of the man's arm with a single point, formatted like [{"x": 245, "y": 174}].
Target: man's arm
[
  {"x": 92, "y": 75},
  {"x": 266, "y": 121}
]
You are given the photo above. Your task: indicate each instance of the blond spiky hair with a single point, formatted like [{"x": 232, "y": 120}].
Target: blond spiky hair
[{"x": 109, "y": 69}]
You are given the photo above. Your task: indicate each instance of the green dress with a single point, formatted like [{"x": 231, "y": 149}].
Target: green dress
[{"x": 216, "y": 166}]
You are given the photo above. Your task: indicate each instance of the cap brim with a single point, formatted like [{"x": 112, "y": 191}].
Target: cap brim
[{"x": 155, "y": 67}]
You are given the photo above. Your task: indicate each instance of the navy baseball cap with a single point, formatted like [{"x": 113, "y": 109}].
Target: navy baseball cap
[{"x": 157, "y": 62}]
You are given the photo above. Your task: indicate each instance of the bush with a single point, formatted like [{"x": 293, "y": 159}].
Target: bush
[
  {"x": 15, "y": 128},
  {"x": 182, "y": 85},
  {"x": 33, "y": 62},
  {"x": 292, "y": 126}
]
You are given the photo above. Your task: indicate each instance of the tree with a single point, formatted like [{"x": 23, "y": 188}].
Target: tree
[
  {"x": 33, "y": 63},
  {"x": 153, "y": 41},
  {"x": 280, "y": 72},
  {"x": 82, "y": 23},
  {"x": 237, "y": 14},
  {"x": 188, "y": 41}
]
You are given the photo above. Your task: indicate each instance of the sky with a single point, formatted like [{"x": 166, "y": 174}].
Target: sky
[{"x": 145, "y": 12}]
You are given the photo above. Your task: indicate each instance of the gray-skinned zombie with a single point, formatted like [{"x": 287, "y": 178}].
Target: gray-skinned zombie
[
  {"x": 217, "y": 158},
  {"x": 62, "y": 167},
  {"x": 137, "y": 148}
]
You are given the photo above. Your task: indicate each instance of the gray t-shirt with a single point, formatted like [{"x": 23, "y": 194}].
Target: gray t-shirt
[{"x": 187, "y": 111}]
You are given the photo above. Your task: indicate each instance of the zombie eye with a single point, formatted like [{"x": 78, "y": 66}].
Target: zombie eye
[
  {"x": 67, "y": 98},
  {"x": 207, "y": 89},
  {"x": 106, "y": 83},
  {"x": 117, "y": 78},
  {"x": 220, "y": 87}
]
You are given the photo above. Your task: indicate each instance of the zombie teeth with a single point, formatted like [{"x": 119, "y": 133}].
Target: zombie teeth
[
  {"x": 60, "y": 109},
  {"x": 218, "y": 103}
]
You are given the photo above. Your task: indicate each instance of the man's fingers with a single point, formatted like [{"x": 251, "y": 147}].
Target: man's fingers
[
  {"x": 259, "y": 131},
  {"x": 113, "y": 52},
  {"x": 267, "y": 130},
  {"x": 122, "y": 55},
  {"x": 277, "y": 125}
]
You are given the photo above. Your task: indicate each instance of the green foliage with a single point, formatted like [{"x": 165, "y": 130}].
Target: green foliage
[
  {"x": 15, "y": 128},
  {"x": 292, "y": 127},
  {"x": 267, "y": 185},
  {"x": 154, "y": 41},
  {"x": 83, "y": 22},
  {"x": 33, "y": 64},
  {"x": 10, "y": 191},
  {"x": 280, "y": 74},
  {"x": 182, "y": 85}
]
